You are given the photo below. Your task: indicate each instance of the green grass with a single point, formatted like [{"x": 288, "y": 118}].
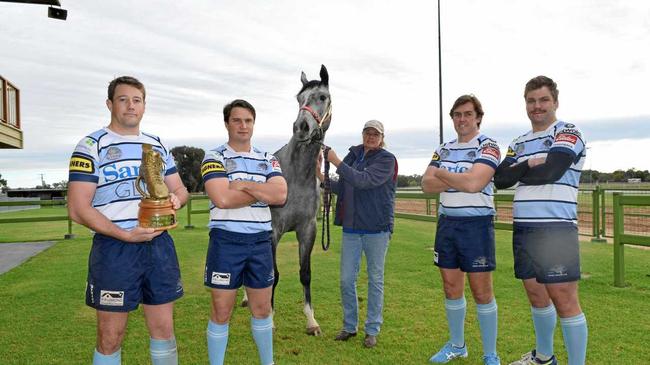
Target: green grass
[{"x": 43, "y": 318}]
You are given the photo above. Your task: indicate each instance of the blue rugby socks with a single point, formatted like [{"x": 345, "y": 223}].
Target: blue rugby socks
[
  {"x": 487, "y": 319},
  {"x": 163, "y": 352},
  {"x": 544, "y": 320},
  {"x": 217, "y": 342},
  {"x": 455, "y": 309},
  {"x": 574, "y": 330},
  {"x": 113, "y": 359},
  {"x": 263, "y": 334}
]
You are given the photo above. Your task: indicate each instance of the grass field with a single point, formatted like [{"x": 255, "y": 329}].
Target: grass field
[{"x": 43, "y": 318}]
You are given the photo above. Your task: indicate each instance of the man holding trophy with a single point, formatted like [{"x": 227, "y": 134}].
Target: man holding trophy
[{"x": 133, "y": 259}]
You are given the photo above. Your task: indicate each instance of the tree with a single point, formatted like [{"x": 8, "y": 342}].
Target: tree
[
  {"x": 188, "y": 162},
  {"x": 3, "y": 184},
  {"x": 63, "y": 184}
]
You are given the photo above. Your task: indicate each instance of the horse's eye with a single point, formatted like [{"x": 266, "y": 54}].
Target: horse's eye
[{"x": 323, "y": 98}]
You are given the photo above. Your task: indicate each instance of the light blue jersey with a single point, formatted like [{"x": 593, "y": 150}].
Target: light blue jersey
[
  {"x": 112, "y": 161},
  {"x": 557, "y": 202},
  {"x": 458, "y": 158},
  {"x": 258, "y": 166}
]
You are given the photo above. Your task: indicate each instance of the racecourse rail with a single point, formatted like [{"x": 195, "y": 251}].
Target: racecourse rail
[{"x": 622, "y": 214}]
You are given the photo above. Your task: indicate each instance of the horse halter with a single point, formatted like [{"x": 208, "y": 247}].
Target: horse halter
[{"x": 320, "y": 120}]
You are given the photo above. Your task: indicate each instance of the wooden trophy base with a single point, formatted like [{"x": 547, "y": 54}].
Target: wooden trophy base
[{"x": 157, "y": 213}]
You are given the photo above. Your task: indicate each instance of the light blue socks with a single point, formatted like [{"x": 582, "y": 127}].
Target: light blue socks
[
  {"x": 163, "y": 352},
  {"x": 544, "y": 320},
  {"x": 263, "y": 334},
  {"x": 217, "y": 342},
  {"x": 113, "y": 359},
  {"x": 487, "y": 319},
  {"x": 455, "y": 309},
  {"x": 574, "y": 330}
]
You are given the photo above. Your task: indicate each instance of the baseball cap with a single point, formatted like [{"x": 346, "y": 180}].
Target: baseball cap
[{"x": 374, "y": 124}]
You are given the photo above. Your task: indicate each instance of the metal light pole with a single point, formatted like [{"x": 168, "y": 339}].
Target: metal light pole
[{"x": 440, "y": 74}]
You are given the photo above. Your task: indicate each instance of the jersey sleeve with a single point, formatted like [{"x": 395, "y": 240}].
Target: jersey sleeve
[
  {"x": 213, "y": 166},
  {"x": 84, "y": 162},
  {"x": 435, "y": 159},
  {"x": 568, "y": 139},
  {"x": 488, "y": 153},
  {"x": 170, "y": 163},
  {"x": 511, "y": 155},
  {"x": 274, "y": 164}
]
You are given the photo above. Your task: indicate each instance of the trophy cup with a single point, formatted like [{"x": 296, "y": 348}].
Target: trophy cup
[{"x": 156, "y": 209}]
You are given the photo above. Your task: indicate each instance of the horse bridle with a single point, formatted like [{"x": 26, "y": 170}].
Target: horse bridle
[{"x": 319, "y": 120}]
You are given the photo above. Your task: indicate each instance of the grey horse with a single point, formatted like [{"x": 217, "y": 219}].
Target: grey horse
[{"x": 298, "y": 162}]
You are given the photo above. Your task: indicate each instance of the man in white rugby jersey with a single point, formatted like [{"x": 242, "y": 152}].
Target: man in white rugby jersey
[
  {"x": 546, "y": 163},
  {"x": 128, "y": 264}
]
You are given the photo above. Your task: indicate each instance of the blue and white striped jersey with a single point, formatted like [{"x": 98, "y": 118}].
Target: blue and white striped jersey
[
  {"x": 555, "y": 203},
  {"x": 112, "y": 161},
  {"x": 258, "y": 166},
  {"x": 458, "y": 158}
]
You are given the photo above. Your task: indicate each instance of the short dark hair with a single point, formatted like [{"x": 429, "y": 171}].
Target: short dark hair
[
  {"x": 126, "y": 80},
  {"x": 237, "y": 103},
  {"x": 541, "y": 81},
  {"x": 469, "y": 98}
]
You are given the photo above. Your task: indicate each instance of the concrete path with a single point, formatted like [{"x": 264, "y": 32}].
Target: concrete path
[{"x": 14, "y": 254}]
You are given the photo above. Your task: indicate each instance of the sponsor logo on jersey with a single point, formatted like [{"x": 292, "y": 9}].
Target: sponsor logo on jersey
[
  {"x": 113, "y": 173},
  {"x": 491, "y": 151},
  {"x": 456, "y": 169},
  {"x": 113, "y": 153},
  {"x": 569, "y": 125},
  {"x": 444, "y": 153},
  {"x": 547, "y": 143},
  {"x": 275, "y": 163},
  {"x": 90, "y": 142},
  {"x": 111, "y": 298},
  {"x": 81, "y": 164},
  {"x": 471, "y": 155},
  {"x": 566, "y": 137},
  {"x": 211, "y": 166},
  {"x": 220, "y": 278},
  {"x": 435, "y": 157},
  {"x": 262, "y": 166},
  {"x": 510, "y": 153}
]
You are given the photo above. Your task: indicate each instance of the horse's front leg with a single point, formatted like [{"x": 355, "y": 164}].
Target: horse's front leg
[{"x": 306, "y": 236}]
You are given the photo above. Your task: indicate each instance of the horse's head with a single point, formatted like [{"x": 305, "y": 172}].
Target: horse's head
[{"x": 315, "y": 111}]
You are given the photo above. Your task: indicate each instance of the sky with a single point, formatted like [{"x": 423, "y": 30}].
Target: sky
[{"x": 382, "y": 57}]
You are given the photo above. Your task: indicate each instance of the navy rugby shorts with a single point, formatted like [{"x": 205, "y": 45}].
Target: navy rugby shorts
[
  {"x": 465, "y": 243},
  {"x": 122, "y": 275},
  {"x": 235, "y": 259},
  {"x": 550, "y": 254}
]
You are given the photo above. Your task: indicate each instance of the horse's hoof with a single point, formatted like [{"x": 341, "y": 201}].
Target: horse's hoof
[
  {"x": 244, "y": 303},
  {"x": 314, "y": 331}
]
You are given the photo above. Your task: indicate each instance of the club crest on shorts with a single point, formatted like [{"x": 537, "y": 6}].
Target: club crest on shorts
[
  {"x": 220, "y": 278},
  {"x": 111, "y": 298},
  {"x": 481, "y": 261},
  {"x": 557, "y": 271}
]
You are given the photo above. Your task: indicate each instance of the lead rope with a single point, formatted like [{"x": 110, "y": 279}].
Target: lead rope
[{"x": 327, "y": 201}]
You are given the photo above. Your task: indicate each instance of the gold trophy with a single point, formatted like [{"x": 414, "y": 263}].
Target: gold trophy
[{"x": 156, "y": 208}]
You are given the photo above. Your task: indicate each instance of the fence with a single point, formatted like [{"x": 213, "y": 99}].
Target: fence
[
  {"x": 40, "y": 203},
  {"x": 622, "y": 236}
]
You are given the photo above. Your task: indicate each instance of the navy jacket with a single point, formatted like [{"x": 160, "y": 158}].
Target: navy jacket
[{"x": 374, "y": 180}]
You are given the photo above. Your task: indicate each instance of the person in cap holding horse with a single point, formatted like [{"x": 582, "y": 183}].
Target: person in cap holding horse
[
  {"x": 461, "y": 171},
  {"x": 241, "y": 181},
  {"x": 365, "y": 208}
]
